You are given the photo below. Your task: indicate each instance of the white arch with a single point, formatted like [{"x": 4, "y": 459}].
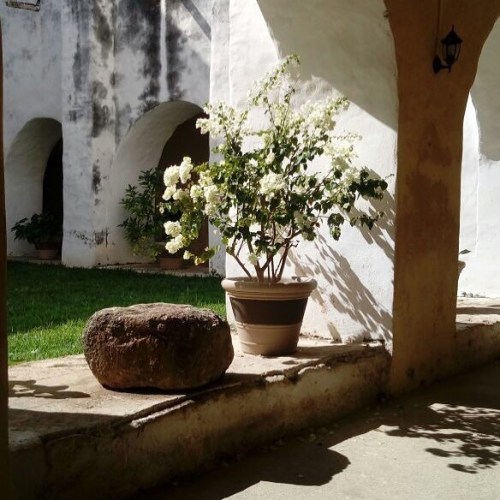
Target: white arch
[
  {"x": 140, "y": 150},
  {"x": 25, "y": 165}
]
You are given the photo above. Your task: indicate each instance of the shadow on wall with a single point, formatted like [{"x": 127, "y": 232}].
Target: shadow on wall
[
  {"x": 484, "y": 94},
  {"x": 198, "y": 17},
  {"x": 382, "y": 234},
  {"x": 348, "y": 43},
  {"x": 346, "y": 293}
]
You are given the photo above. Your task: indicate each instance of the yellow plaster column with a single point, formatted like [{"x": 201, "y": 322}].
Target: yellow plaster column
[
  {"x": 4, "y": 446},
  {"x": 431, "y": 111}
]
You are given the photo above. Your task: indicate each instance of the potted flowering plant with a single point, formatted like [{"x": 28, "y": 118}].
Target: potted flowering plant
[{"x": 264, "y": 197}]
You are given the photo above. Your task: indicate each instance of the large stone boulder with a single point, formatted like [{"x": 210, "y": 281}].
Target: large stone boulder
[{"x": 163, "y": 346}]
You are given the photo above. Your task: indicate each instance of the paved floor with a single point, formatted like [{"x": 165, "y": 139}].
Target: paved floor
[{"x": 442, "y": 443}]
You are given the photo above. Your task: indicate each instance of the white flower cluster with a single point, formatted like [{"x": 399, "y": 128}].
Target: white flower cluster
[
  {"x": 270, "y": 158},
  {"x": 222, "y": 120},
  {"x": 175, "y": 244},
  {"x": 271, "y": 184},
  {"x": 172, "y": 228},
  {"x": 173, "y": 175},
  {"x": 185, "y": 169}
]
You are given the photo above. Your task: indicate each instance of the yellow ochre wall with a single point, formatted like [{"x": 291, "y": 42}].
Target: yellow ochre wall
[{"x": 431, "y": 111}]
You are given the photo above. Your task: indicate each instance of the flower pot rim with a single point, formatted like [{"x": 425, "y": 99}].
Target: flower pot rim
[
  {"x": 288, "y": 288},
  {"x": 284, "y": 281}
]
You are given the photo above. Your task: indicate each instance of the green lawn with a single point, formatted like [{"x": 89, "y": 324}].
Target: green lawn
[{"x": 48, "y": 306}]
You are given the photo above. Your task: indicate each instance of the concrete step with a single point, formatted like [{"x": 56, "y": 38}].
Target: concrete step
[{"x": 71, "y": 438}]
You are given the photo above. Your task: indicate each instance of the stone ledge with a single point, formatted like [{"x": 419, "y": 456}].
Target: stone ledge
[
  {"x": 478, "y": 332},
  {"x": 71, "y": 438}
]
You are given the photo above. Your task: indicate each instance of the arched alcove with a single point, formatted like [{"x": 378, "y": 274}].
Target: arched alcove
[
  {"x": 187, "y": 141},
  {"x": 33, "y": 175},
  {"x": 159, "y": 138},
  {"x": 480, "y": 204}
]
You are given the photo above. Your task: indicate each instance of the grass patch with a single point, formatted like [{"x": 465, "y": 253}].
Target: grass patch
[{"x": 48, "y": 306}]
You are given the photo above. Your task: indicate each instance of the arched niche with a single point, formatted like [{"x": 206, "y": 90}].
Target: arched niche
[
  {"x": 147, "y": 145},
  {"x": 39, "y": 141}
]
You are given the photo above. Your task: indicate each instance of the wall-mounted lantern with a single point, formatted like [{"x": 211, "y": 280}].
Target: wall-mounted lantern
[{"x": 450, "y": 47}]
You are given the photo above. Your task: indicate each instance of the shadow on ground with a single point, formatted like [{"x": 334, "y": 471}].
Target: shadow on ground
[
  {"x": 30, "y": 388},
  {"x": 457, "y": 421}
]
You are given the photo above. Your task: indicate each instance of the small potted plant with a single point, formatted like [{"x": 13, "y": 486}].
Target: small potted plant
[
  {"x": 41, "y": 230},
  {"x": 265, "y": 197},
  {"x": 144, "y": 226},
  {"x": 461, "y": 263}
]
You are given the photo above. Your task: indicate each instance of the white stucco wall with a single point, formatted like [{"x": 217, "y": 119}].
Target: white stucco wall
[
  {"x": 32, "y": 66},
  {"x": 165, "y": 60},
  {"x": 352, "y": 54},
  {"x": 480, "y": 207},
  {"x": 97, "y": 68},
  {"x": 32, "y": 106}
]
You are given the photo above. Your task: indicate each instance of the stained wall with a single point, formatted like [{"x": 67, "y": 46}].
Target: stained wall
[{"x": 98, "y": 68}]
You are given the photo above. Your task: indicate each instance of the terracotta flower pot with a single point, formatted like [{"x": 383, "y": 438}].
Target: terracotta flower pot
[
  {"x": 170, "y": 263},
  {"x": 268, "y": 316},
  {"x": 47, "y": 251}
]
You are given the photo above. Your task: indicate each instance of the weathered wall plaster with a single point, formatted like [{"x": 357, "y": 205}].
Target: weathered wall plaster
[
  {"x": 4, "y": 383},
  {"x": 354, "y": 297},
  {"x": 98, "y": 72},
  {"x": 32, "y": 77},
  {"x": 32, "y": 66}
]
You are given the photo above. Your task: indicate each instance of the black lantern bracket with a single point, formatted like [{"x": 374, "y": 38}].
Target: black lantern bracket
[{"x": 450, "y": 49}]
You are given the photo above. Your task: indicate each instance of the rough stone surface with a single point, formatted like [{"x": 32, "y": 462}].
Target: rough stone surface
[{"x": 161, "y": 346}]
